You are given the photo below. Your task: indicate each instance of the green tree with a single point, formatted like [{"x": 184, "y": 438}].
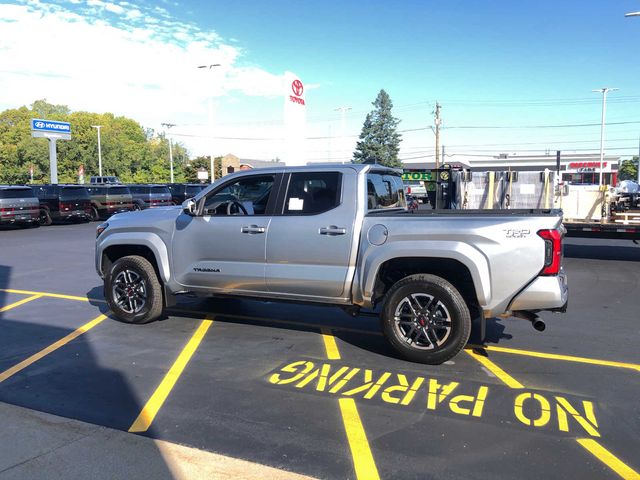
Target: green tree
[
  {"x": 192, "y": 167},
  {"x": 629, "y": 170},
  {"x": 379, "y": 140}
]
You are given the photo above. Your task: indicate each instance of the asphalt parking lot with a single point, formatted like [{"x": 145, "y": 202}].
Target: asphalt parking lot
[{"x": 313, "y": 391}]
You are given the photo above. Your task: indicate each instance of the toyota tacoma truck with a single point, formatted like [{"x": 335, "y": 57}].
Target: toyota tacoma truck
[{"x": 338, "y": 235}]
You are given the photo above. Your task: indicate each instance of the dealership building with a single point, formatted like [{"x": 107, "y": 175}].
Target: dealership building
[{"x": 574, "y": 167}]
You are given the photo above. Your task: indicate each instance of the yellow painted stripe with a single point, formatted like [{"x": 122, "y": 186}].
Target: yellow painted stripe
[
  {"x": 51, "y": 348},
  {"x": 51, "y": 295},
  {"x": 608, "y": 458},
  {"x": 330, "y": 344},
  {"x": 566, "y": 358},
  {"x": 363, "y": 462},
  {"x": 19, "y": 302},
  {"x": 150, "y": 410},
  {"x": 496, "y": 370}
]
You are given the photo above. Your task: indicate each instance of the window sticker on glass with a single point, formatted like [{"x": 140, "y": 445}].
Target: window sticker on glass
[{"x": 296, "y": 203}]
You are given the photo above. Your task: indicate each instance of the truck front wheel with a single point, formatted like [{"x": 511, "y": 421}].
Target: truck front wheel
[
  {"x": 425, "y": 319},
  {"x": 132, "y": 290}
]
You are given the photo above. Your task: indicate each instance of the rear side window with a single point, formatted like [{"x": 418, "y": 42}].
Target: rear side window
[
  {"x": 384, "y": 191},
  {"x": 159, "y": 189},
  {"x": 193, "y": 190},
  {"x": 136, "y": 189},
  {"x": 118, "y": 191},
  {"x": 16, "y": 193},
  {"x": 74, "y": 193},
  {"x": 312, "y": 193}
]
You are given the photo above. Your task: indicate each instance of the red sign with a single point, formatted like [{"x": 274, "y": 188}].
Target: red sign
[
  {"x": 587, "y": 165},
  {"x": 297, "y": 88}
]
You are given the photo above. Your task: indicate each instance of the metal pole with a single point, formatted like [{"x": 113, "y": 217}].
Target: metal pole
[
  {"x": 437, "y": 123},
  {"x": 53, "y": 161},
  {"x": 638, "y": 160},
  {"x": 604, "y": 92},
  {"x": 171, "y": 159},
  {"x": 604, "y": 109},
  {"x": 98, "y": 127},
  {"x": 168, "y": 126}
]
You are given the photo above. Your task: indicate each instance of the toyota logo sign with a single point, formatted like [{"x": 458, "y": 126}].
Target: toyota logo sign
[{"x": 297, "y": 88}]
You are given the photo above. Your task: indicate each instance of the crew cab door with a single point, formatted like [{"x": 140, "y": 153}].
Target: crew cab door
[
  {"x": 222, "y": 247},
  {"x": 310, "y": 241}
]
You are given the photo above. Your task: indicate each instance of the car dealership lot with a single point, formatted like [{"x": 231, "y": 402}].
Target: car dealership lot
[{"x": 316, "y": 392}]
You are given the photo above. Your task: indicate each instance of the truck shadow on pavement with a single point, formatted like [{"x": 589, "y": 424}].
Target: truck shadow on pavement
[{"x": 40, "y": 383}]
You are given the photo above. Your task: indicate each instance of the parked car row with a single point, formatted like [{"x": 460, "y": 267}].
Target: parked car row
[{"x": 34, "y": 205}]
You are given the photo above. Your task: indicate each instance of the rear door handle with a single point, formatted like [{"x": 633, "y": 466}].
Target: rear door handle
[
  {"x": 253, "y": 229},
  {"x": 332, "y": 230}
]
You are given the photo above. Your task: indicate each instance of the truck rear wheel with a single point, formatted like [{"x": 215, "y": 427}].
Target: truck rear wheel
[
  {"x": 425, "y": 319},
  {"x": 133, "y": 291}
]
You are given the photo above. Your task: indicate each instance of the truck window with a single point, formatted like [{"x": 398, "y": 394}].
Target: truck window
[
  {"x": 312, "y": 193},
  {"x": 385, "y": 191},
  {"x": 252, "y": 192}
]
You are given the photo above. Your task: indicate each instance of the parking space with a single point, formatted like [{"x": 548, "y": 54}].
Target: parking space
[{"x": 314, "y": 391}]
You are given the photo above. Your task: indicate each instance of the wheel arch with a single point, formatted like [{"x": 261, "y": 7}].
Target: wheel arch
[{"x": 146, "y": 246}]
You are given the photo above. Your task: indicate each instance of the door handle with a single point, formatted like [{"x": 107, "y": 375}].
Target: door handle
[
  {"x": 253, "y": 229},
  {"x": 332, "y": 230}
]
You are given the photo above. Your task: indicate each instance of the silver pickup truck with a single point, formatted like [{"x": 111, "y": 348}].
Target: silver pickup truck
[{"x": 340, "y": 235}]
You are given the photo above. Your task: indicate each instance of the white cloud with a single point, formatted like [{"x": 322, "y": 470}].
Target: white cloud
[{"x": 122, "y": 64}]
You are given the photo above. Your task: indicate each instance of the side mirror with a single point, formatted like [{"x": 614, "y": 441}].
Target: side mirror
[{"x": 190, "y": 207}]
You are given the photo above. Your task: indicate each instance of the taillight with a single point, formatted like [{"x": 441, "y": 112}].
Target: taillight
[
  {"x": 552, "y": 251},
  {"x": 408, "y": 190},
  {"x": 6, "y": 210}
]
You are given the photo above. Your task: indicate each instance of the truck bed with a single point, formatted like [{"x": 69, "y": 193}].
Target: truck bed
[{"x": 520, "y": 212}]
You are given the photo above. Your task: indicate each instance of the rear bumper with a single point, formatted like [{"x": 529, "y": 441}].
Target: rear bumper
[
  {"x": 12, "y": 219},
  {"x": 544, "y": 293}
]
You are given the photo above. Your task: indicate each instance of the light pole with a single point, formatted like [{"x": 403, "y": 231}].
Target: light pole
[
  {"x": 636, "y": 14},
  {"x": 209, "y": 68},
  {"x": 98, "y": 127},
  {"x": 604, "y": 92},
  {"x": 342, "y": 111},
  {"x": 168, "y": 126}
]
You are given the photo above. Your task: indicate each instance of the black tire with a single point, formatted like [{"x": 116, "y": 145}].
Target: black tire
[
  {"x": 439, "y": 331},
  {"x": 136, "y": 207},
  {"x": 45, "y": 218},
  {"x": 145, "y": 289},
  {"x": 95, "y": 216}
]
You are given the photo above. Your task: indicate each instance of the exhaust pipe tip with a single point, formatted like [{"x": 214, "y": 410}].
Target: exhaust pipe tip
[{"x": 539, "y": 325}]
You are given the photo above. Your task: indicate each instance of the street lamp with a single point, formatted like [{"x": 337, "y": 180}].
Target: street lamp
[
  {"x": 98, "y": 127},
  {"x": 604, "y": 92},
  {"x": 342, "y": 111},
  {"x": 636, "y": 14},
  {"x": 209, "y": 68},
  {"x": 168, "y": 126}
]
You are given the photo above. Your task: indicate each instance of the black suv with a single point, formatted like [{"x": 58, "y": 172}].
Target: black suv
[
  {"x": 150, "y": 196},
  {"x": 181, "y": 191},
  {"x": 18, "y": 206},
  {"x": 107, "y": 200},
  {"x": 63, "y": 202}
]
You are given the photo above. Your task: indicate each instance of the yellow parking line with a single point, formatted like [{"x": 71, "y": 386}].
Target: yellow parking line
[
  {"x": 589, "y": 444},
  {"x": 363, "y": 462},
  {"x": 566, "y": 358},
  {"x": 19, "y": 302},
  {"x": 609, "y": 459},
  {"x": 51, "y": 295},
  {"x": 51, "y": 348},
  {"x": 330, "y": 344},
  {"x": 150, "y": 410},
  {"x": 496, "y": 370}
]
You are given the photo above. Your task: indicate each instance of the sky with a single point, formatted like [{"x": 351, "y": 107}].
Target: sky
[{"x": 511, "y": 77}]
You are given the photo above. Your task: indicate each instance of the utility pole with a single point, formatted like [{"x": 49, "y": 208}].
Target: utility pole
[
  {"x": 437, "y": 132},
  {"x": 98, "y": 127},
  {"x": 168, "y": 126}
]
